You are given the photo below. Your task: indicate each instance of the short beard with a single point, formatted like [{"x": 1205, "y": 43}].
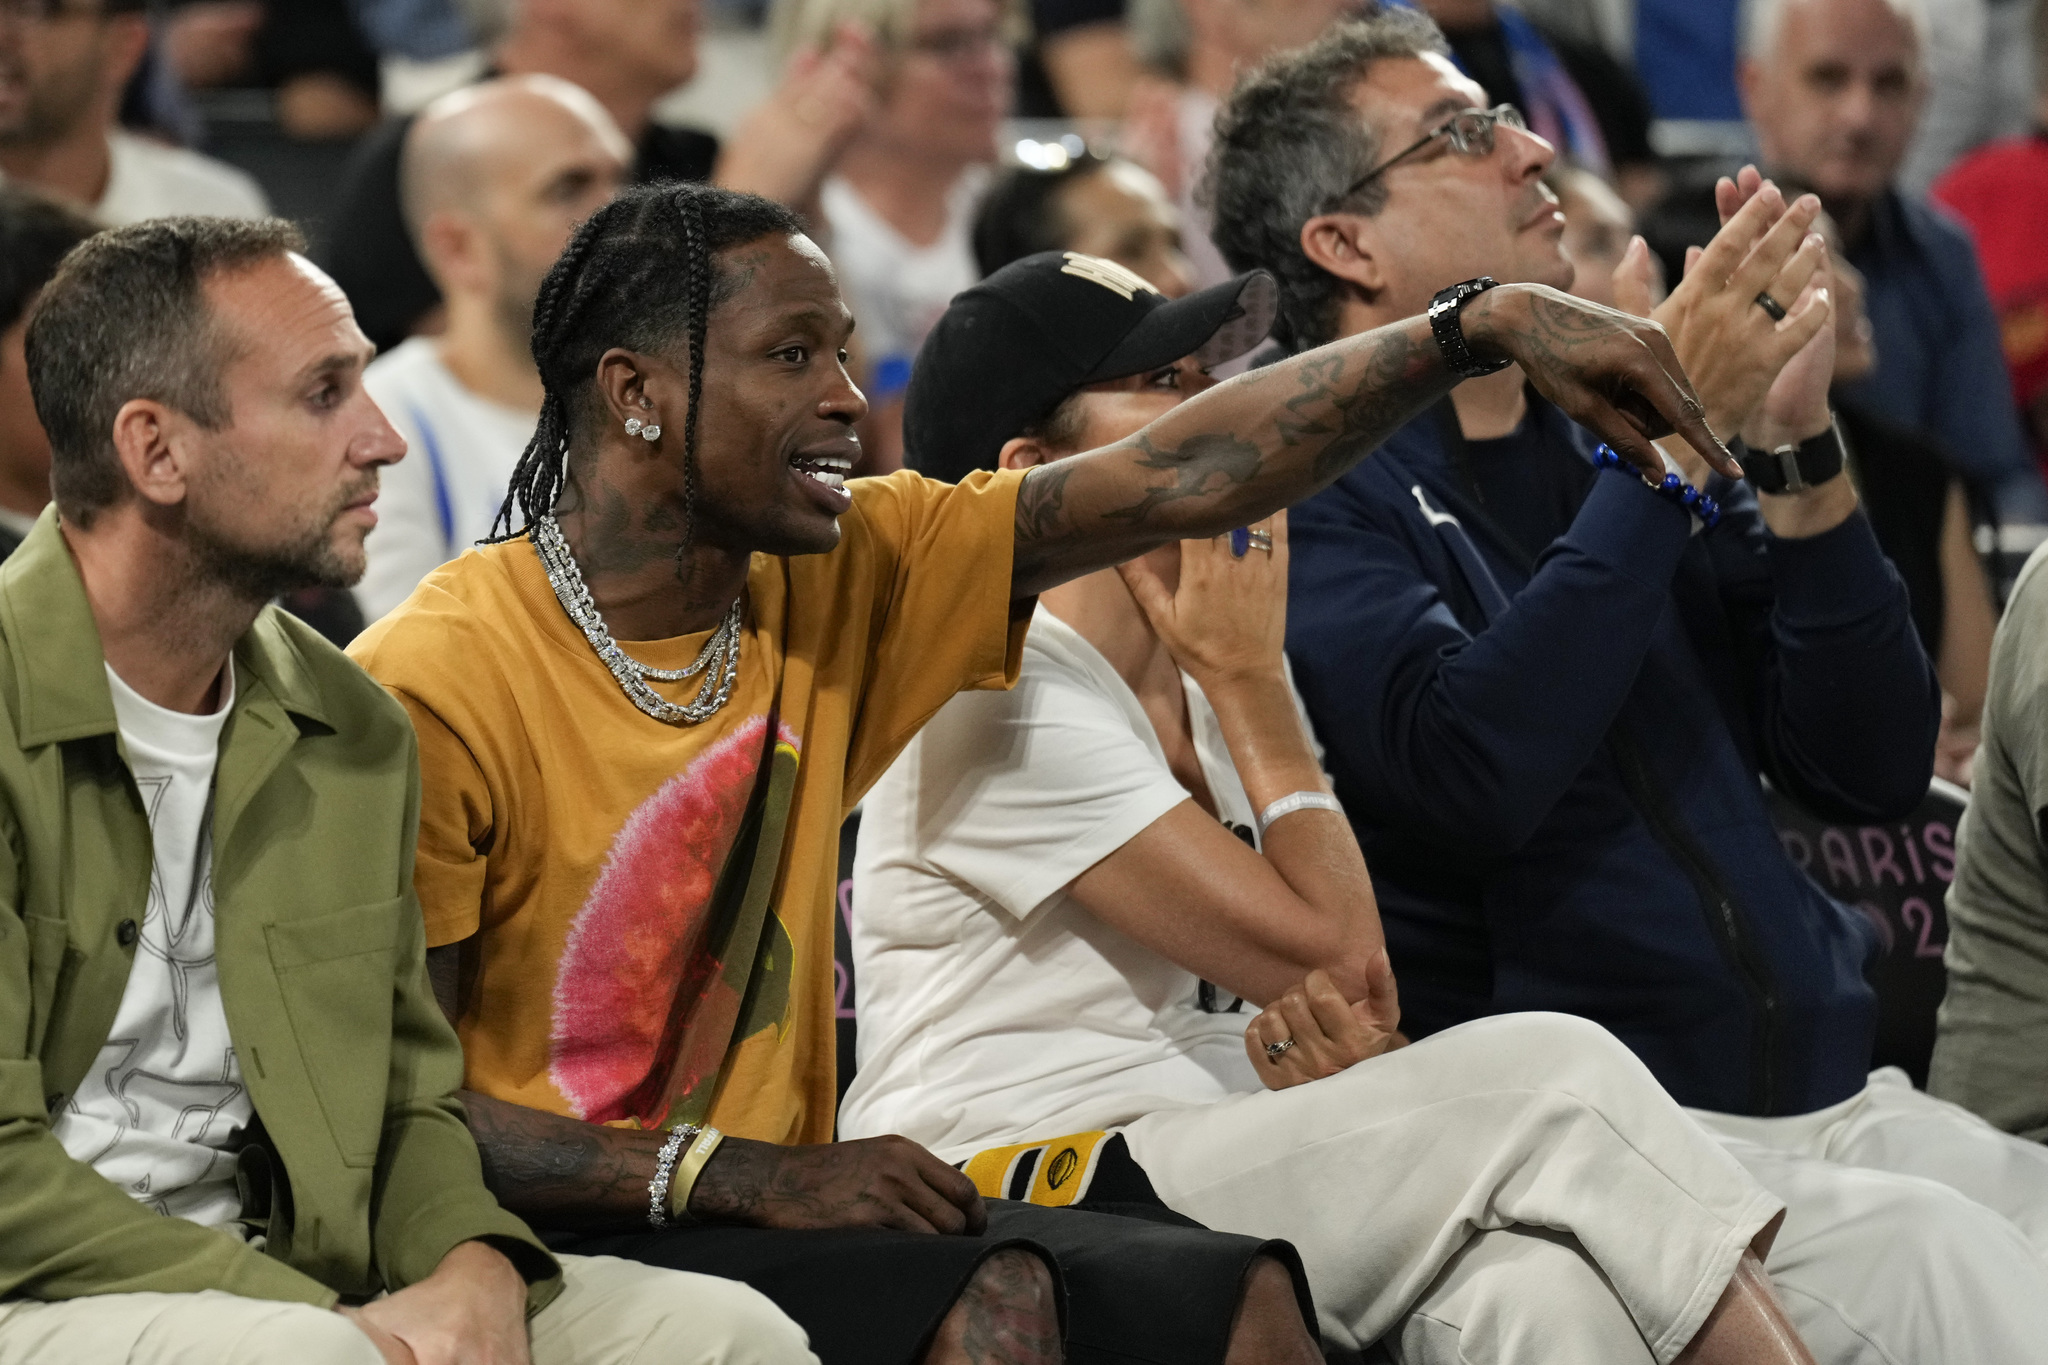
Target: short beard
[
  {"x": 51, "y": 112},
  {"x": 260, "y": 573}
]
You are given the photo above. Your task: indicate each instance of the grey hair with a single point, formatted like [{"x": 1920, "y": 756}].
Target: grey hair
[
  {"x": 1764, "y": 20},
  {"x": 126, "y": 317},
  {"x": 1288, "y": 142}
]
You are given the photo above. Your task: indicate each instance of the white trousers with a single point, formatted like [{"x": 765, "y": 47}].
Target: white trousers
[
  {"x": 1915, "y": 1232},
  {"x": 1515, "y": 1189},
  {"x": 610, "y": 1312}
]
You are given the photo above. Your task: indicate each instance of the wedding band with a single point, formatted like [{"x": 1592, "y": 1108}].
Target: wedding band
[
  {"x": 1274, "y": 1050},
  {"x": 1260, "y": 540},
  {"x": 1771, "y": 306}
]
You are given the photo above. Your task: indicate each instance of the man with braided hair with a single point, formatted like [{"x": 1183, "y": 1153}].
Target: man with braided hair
[{"x": 628, "y": 898}]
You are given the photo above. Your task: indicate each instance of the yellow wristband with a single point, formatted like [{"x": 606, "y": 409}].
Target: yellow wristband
[{"x": 688, "y": 1169}]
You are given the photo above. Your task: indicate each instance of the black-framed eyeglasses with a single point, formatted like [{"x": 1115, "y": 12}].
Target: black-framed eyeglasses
[{"x": 1470, "y": 132}]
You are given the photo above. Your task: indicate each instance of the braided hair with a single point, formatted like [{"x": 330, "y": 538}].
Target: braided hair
[{"x": 641, "y": 273}]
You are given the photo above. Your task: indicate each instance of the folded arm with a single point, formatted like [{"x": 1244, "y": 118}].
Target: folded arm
[{"x": 1254, "y": 921}]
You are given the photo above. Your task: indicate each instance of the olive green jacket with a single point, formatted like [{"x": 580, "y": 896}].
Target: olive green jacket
[{"x": 363, "y": 1159}]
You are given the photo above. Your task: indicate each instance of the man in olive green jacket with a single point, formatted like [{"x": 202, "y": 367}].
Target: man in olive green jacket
[{"x": 226, "y": 1091}]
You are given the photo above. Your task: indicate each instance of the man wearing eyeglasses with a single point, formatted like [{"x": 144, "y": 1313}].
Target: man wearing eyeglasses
[
  {"x": 63, "y": 66},
  {"x": 1549, "y": 692}
]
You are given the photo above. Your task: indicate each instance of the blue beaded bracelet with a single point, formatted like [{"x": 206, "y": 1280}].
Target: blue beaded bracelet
[{"x": 1678, "y": 490}]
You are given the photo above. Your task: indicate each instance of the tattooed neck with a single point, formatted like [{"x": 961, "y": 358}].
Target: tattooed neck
[{"x": 629, "y": 549}]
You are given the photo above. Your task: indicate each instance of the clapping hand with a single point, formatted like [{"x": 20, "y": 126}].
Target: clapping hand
[
  {"x": 790, "y": 143},
  {"x": 1319, "y": 1033},
  {"x": 1757, "y": 375}
]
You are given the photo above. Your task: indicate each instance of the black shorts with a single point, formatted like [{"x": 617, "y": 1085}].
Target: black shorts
[{"x": 1140, "y": 1286}]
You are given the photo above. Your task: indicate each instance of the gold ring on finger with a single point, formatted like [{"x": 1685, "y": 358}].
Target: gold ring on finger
[{"x": 1260, "y": 540}]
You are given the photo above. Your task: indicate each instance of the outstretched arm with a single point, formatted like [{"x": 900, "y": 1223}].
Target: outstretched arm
[{"x": 1264, "y": 440}]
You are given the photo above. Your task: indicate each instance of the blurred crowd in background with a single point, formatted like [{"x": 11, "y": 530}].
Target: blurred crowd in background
[{"x": 929, "y": 142}]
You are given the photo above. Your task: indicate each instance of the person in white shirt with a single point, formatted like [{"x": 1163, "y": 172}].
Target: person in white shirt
[
  {"x": 159, "y": 1112},
  {"x": 493, "y": 179},
  {"x": 1050, "y": 879},
  {"x": 899, "y": 204},
  {"x": 63, "y": 66}
]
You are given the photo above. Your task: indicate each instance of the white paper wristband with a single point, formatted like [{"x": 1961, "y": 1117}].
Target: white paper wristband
[{"x": 1293, "y": 802}]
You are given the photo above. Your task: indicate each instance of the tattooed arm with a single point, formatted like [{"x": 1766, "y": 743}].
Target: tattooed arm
[
  {"x": 563, "y": 1173},
  {"x": 1266, "y": 439}
]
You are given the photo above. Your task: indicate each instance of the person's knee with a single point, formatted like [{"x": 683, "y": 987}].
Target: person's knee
[
  {"x": 1268, "y": 1328},
  {"x": 1559, "y": 1053},
  {"x": 1019, "y": 1285},
  {"x": 684, "y": 1318},
  {"x": 1010, "y": 1308},
  {"x": 1572, "y": 1040}
]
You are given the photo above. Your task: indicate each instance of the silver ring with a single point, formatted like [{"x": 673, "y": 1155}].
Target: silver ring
[
  {"x": 1771, "y": 306},
  {"x": 1274, "y": 1050},
  {"x": 1260, "y": 540}
]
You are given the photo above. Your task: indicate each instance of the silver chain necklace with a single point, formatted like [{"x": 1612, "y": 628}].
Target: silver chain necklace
[{"x": 719, "y": 661}]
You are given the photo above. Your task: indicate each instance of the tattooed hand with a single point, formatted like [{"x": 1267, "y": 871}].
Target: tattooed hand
[
  {"x": 885, "y": 1182},
  {"x": 1613, "y": 374}
]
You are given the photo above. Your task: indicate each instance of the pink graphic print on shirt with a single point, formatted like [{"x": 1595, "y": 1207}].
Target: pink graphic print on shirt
[{"x": 638, "y": 966}]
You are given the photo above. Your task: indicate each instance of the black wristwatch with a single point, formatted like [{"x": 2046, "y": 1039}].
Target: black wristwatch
[
  {"x": 1794, "y": 469},
  {"x": 1450, "y": 336}
]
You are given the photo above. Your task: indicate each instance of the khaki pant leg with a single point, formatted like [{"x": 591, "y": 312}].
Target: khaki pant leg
[
  {"x": 1899, "y": 1129},
  {"x": 1883, "y": 1269},
  {"x": 207, "y": 1328},
  {"x": 1519, "y": 1296},
  {"x": 1379, "y": 1174},
  {"x": 617, "y": 1312}
]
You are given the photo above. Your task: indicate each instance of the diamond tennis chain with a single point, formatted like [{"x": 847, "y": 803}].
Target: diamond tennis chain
[{"x": 719, "y": 661}]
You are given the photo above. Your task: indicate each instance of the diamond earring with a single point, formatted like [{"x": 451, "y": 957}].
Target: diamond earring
[{"x": 646, "y": 431}]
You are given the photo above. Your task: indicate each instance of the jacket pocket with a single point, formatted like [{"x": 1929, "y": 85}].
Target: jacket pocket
[
  {"x": 338, "y": 977},
  {"x": 49, "y": 949}
]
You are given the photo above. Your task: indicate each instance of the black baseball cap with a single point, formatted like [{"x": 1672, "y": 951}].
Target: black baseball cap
[{"x": 1010, "y": 350}]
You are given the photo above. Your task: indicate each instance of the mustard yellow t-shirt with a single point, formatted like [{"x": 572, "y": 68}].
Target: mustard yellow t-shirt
[{"x": 578, "y": 840}]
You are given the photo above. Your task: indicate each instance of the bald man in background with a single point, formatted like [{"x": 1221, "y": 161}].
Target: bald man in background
[
  {"x": 493, "y": 179},
  {"x": 1834, "y": 89}
]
